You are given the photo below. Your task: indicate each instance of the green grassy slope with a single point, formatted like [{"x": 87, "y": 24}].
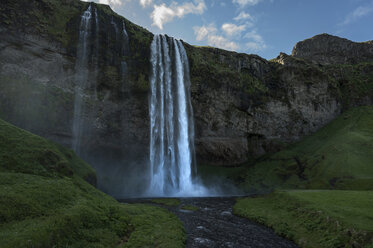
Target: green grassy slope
[
  {"x": 312, "y": 218},
  {"x": 338, "y": 156},
  {"x": 24, "y": 152},
  {"x": 45, "y": 202}
]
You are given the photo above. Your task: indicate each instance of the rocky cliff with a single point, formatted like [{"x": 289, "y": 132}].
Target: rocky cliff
[
  {"x": 244, "y": 106},
  {"x": 329, "y": 49}
]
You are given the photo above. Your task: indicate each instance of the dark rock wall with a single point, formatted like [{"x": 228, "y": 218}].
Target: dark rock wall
[{"x": 246, "y": 106}]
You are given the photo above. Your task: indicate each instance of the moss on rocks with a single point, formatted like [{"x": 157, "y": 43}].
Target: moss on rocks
[{"x": 353, "y": 82}]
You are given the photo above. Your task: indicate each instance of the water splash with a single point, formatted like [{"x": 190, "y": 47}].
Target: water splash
[
  {"x": 172, "y": 159},
  {"x": 81, "y": 68}
]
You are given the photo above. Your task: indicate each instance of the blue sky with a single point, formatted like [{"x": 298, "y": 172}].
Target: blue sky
[{"x": 263, "y": 27}]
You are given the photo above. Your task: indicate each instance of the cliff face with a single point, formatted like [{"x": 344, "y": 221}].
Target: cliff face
[
  {"x": 244, "y": 106},
  {"x": 329, "y": 49},
  {"x": 38, "y": 76}
]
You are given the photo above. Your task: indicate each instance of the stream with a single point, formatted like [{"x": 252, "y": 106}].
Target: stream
[{"x": 214, "y": 225}]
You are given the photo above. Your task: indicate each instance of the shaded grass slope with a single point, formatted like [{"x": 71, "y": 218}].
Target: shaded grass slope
[
  {"x": 45, "y": 201},
  {"x": 315, "y": 218},
  {"x": 338, "y": 156},
  {"x": 24, "y": 152}
]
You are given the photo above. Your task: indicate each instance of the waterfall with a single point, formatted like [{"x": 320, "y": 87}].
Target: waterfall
[
  {"x": 115, "y": 27},
  {"x": 125, "y": 37},
  {"x": 171, "y": 122},
  {"x": 81, "y": 68},
  {"x": 97, "y": 38},
  {"x": 124, "y": 51}
]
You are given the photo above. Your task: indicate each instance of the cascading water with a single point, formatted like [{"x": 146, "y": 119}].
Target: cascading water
[
  {"x": 97, "y": 49},
  {"x": 81, "y": 68},
  {"x": 124, "y": 51},
  {"x": 171, "y": 122},
  {"x": 115, "y": 27}
]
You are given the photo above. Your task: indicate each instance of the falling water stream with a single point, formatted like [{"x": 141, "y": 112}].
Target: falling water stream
[
  {"x": 81, "y": 68},
  {"x": 172, "y": 156},
  {"x": 172, "y": 161},
  {"x": 124, "y": 50}
]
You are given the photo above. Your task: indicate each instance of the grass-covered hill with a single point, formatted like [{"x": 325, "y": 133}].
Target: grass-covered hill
[
  {"x": 334, "y": 169},
  {"x": 315, "y": 218},
  {"x": 46, "y": 201},
  {"x": 338, "y": 156}
]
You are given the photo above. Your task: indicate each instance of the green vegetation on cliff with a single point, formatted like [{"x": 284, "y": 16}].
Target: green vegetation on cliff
[
  {"x": 315, "y": 218},
  {"x": 44, "y": 202},
  {"x": 215, "y": 67},
  {"x": 338, "y": 156},
  {"x": 51, "y": 17},
  {"x": 354, "y": 82}
]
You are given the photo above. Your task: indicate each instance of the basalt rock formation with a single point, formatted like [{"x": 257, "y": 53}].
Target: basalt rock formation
[{"x": 244, "y": 106}]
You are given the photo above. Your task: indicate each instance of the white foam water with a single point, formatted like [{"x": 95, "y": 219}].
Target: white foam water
[{"x": 172, "y": 156}]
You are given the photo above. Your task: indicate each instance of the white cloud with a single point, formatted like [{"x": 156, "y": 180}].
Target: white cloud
[
  {"x": 228, "y": 37},
  {"x": 145, "y": 3},
  {"x": 203, "y": 32},
  {"x": 359, "y": 12},
  {"x": 231, "y": 29},
  {"x": 255, "y": 47},
  {"x": 112, "y": 3},
  {"x": 209, "y": 33},
  {"x": 163, "y": 14},
  {"x": 222, "y": 42},
  {"x": 243, "y": 3},
  {"x": 238, "y": 36},
  {"x": 243, "y": 16},
  {"x": 253, "y": 35},
  {"x": 256, "y": 41}
]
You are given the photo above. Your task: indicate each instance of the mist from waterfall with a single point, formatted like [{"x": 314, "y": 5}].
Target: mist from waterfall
[{"x": 172, "y": 156}]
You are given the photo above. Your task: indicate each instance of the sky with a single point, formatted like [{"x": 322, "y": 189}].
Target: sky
[{"x": 263, "y": 27}]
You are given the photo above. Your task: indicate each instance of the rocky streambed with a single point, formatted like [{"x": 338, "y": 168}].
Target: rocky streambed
[{"x": 209, "y": 222}]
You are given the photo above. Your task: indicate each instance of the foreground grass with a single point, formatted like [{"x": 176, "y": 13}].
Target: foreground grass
[
  {"x": 24, "y": 152},
  {"x": 315, "y": 218},
  {"x": 45, "y": 201},
  {"x": 338, "y": 156}
]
